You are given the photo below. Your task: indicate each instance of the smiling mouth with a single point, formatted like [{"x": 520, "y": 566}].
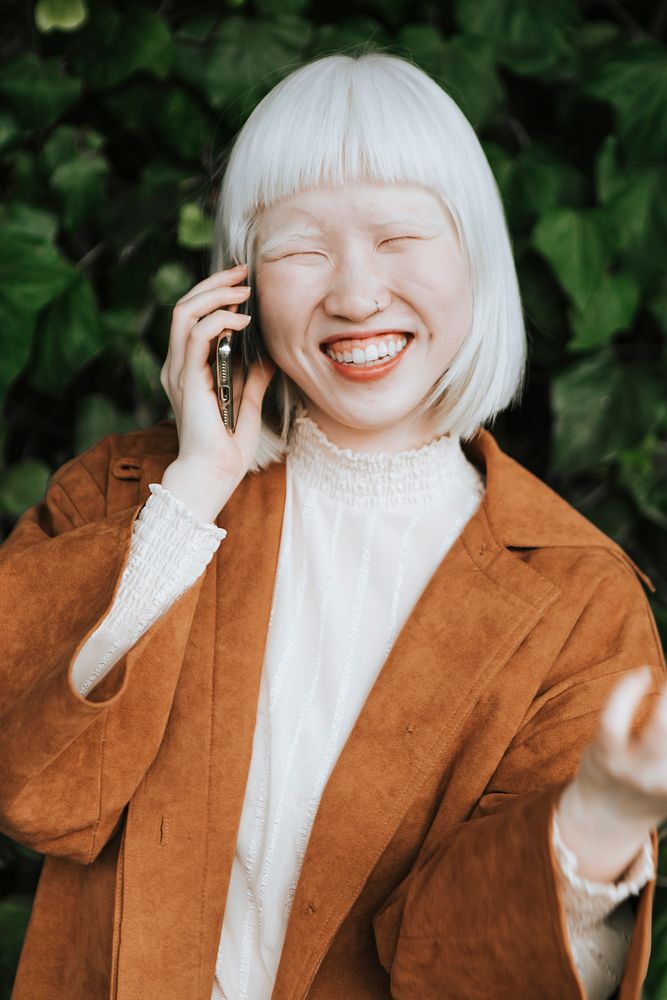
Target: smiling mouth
[{"x": 366, "y": 354}]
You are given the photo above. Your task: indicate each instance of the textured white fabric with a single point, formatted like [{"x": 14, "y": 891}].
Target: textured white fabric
[
  {"x": 171, "y": 546},
  {"x": 361, "y": 537},
  {"x": 599, "y": 915}
]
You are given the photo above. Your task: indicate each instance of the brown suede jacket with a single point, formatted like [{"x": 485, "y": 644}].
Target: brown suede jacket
[{"x": 429, "y": 871}]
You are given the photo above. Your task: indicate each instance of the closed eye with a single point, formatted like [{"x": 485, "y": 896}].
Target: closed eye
[{"x": 394, "y": 239}]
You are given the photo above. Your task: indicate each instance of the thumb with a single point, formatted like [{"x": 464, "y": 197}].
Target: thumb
[{"x": 259, "y": 377}]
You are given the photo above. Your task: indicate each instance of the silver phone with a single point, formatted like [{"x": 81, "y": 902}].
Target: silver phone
[{"x": 233, "y": 350}]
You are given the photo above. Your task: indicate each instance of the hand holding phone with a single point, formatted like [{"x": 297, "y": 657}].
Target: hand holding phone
[{"x": 212, "y": 458}]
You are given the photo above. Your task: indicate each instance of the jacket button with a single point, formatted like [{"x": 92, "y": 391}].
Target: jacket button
[{"x": 311, "y": 908}]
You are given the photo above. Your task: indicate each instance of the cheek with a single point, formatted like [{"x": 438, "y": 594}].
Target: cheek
[{"x": 281, "y": 297}]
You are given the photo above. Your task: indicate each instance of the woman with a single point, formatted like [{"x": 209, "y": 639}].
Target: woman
[{"x": 383, "y": 733}]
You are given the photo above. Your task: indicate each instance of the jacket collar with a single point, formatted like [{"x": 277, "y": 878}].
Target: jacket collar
[{"x": 523, "y": 512}]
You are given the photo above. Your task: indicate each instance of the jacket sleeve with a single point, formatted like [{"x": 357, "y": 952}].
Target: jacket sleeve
[
  {"x": 67, "y": 773},
  {"x": 481, "y": 913}
]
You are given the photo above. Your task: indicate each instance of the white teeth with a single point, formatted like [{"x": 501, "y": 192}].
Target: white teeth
[{"x": 373, "y": 353}]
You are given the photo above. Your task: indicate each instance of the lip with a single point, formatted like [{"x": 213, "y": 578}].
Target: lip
[
  {"x": 361, "y": 374},
  {"x": 363, "y": 335}
]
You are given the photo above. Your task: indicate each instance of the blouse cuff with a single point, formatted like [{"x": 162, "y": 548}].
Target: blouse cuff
[{"x": 588, "y": 902}]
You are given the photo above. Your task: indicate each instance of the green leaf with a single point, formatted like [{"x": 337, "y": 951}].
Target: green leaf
[
  {"x": 16, "y": 327},
  {"x": 635, "y": 217},
  {"x": 534, "y": 182},
  {"x": 349, "y": 36},
  {"x": 120, "y": 330},
  {"x": 68, "y": 336},
  {"x": 246, "y": 58},
  {"x": 38, "y": 91},
  {"x": 171, "y": 281},
  {"x": 113, "y": 46},
  {"x": 528, "y": 37},
  {"x": 643, "y": 472},
  {"x": 97, "y": 417},
  {"x": 67, "y": 143},
  {"x": 468, "y": 74},
  {"x": 196, "y": 29},
  {"x": 81, "y": 187},
  {"x": 23, "y": 485},
  {"x": 574, "y": 245},
  {"x": 633, "y": 79},
  {"x": 29, "y": 220},
  {"x": 14, "y": 915},
  {"x": 391, "y": 12},
  {"x": 10, "y": 132},
  {"x": 545, "y": 180},
  {"x": 423, "y": 44},
  {"x": 612, "y": 307},
  {"x": 194, "y": 228},
  {"x": 658, "y": 303},
  {"x": 60, "y": 15},
  {"x": 32, "y": 273},
  {"x": 183, "y": 124},
  {"x": 146, "y": 371},
  {"x": 602, "y": 407}
]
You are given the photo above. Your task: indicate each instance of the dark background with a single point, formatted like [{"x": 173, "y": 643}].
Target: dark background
[{"x": 114, "y": 122}]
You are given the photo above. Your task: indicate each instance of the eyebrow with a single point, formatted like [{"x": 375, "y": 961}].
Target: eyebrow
[{"x": 304, "y": 232}]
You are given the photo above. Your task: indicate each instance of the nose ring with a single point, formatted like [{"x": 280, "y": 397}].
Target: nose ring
[{"x": 377, "y": 305}]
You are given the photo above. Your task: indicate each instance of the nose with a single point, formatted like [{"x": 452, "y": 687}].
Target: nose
[{"x": 354, "y": 286}]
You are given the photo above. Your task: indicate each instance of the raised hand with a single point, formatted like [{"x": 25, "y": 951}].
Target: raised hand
[
  {"x": 620, "y": 791},
  {"x": 211, "y": 461}
]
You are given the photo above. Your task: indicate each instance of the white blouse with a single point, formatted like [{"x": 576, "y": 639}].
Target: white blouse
[{"x": 362, "y": 534}]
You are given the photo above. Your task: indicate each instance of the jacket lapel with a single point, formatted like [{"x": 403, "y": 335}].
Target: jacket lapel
[{"x": 477, "y": 608}]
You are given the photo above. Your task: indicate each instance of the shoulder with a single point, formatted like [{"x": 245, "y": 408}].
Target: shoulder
[
  {"x": 529, "y": 517},
  {"x": 87, "y": 479}
]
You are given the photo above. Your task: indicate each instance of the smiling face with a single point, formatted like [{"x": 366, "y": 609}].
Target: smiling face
[{"x": 323, "y": 257}]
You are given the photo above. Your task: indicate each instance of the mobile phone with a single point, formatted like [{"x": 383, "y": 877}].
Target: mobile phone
[{"x": 235, "y": 350}]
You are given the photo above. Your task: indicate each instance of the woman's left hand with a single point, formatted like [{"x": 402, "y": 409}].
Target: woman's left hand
[{"x": 620, "y": 791}]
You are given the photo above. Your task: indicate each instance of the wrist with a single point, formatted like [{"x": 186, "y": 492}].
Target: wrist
[
  {"x": 204, "y": 494},
  {"x": 604, "y": 843}
]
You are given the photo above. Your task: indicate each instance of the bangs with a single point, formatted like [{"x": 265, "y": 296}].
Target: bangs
[{"x": 335, "y": 120}]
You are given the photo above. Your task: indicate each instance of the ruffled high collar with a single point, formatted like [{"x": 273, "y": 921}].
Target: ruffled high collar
[{"x": 420, "y": 477}]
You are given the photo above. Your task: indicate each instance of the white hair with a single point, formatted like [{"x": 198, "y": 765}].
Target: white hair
[{"x": 379, "y": 118}]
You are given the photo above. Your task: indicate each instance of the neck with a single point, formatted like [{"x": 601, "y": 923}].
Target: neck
[{"x": 403, "y": 436}]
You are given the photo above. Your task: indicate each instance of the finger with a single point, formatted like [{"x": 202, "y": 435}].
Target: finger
[
  {"x": 187, "y": 315},
  {"x": 249, "y": 414},
  {"x": 201, "y": 345},
  {"x": 618, "y": 713},
  {"x": 653, "y": 728},
  {"x": 202, "y": 331},
  {"x": 229, "y": 277}
]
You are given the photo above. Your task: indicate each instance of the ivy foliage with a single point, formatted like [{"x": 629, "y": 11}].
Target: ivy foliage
[{"x": 114, "y": 120}]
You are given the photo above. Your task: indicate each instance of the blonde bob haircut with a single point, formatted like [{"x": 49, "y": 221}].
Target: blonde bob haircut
[{"x": 379, "y": 118}]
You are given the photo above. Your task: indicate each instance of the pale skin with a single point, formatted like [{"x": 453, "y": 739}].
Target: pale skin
[{"x": 323, "y": 257}]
